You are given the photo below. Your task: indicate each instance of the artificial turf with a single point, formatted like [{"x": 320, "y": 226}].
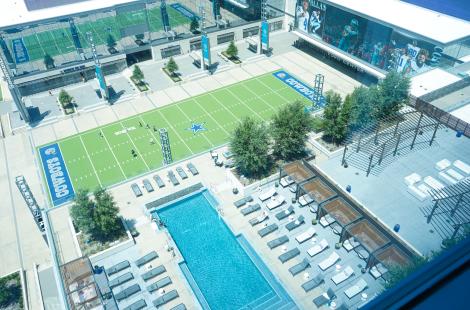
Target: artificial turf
[{"x": 102, "y": 156}]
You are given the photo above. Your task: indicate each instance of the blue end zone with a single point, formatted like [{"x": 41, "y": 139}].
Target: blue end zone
[
  {"x": 184, "y": 11},
  {"x": 20, "y": 51},
  {"x": 58, "y": 181},
  {"x": 300, "y": 87}
]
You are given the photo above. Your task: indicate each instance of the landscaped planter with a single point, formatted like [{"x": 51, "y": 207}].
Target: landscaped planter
[
  {"x": 174, "y": 77},
  {"x": 141, "y": 86},
  {"x": 235, "y": 60}
]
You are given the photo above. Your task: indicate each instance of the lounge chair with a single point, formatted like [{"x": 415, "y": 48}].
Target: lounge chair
[
  {"x": 313, "y": 283},
  {"x": 412, "y": 179},
  {"x": 289, "y": 255},
  {"x": 296, "y": 269},
  {"x": 136, "y": 189},
  {"x": 305, "y": 200},
  {"x": 313, "y": 207},
  {"x": 250, "y": 209},
  {"x": 306, "y": 235},
  {"x": 286, "y": 181},
  {"x": 173, "y": 178},
  {"x": 267, "y": 194},
  {"x": 433, "y": 183},
  {"x": 327, "y": 220},
  {"x": 465, "y": 168},
  {"x": 378, "y": 270},
  {"x": 443, "y": 164},
  {"x": 362, "y": 252},
  {"x": 329, "y": 261},
  {"x": 181, "y": 173},
  {"x": 240, "y": 203},
  {"x": 259, "y": 219},
  {"x": 167, "y": 297},
  {"x": 324, "y": 298},
  {"x": 263, "y": 232},
  {"x": 278, "y": 242},
  {"x": 318, "y": 248},
  {"x": 192, "y": 169},
  {"x": 181, "y": 307},
  {"x": 146, "y": 258},
  {"x": 444, "y": 176},
  {"x": 159, "y": 284},
  {"x": 118, "y": 267},
  {"x": 153, "y": 272},
  {"x": 121, "y": 279},
  {"x": 285, "y": 213},
  {"x": 159, "y": 181},
  {"x": 275, "y": 202},
  {"x": 357, "y": 288},
  {"x": 296, "y": 223},
  {"x": 417, "y": 193},
  {"x": 350, "y": 244},
  {"x": 293, "y": 188},
  {"x": 131, "y": 290},
  {"x": 139, "y": 304},
  {"x": 343, "y": 275},
  {"x": 337, "y": 229}
]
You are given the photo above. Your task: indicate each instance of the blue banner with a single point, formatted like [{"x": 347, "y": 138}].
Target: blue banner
[
  {"x": 184, "y": 11},
  {"x": 20, "y": 51},
  {"x": 58, "y": 181},
  {"x": 265, "y": 35},
  {"x": 299, "y": 87},
  {"x": 101, "y": 80},
  {"x": 206, "y": 50},
  {"x": 165, "y": 19}
]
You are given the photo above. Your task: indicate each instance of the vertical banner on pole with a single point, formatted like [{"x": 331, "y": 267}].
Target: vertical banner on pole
[
  {"x": 102, "y": 82},
  {"x": 216, "y": 9},
  {"x": 265, "y": 35},
  {"x": 206, "y": 51},
  {"x": 165, "y": 19}
]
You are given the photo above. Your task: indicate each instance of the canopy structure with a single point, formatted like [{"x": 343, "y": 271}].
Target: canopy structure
[
  {"x": 298, "y": 170},
  {"x": 343, "y": 213},
  {"x": 318, "y": 190},
  {"x": 392, "y": 255}
]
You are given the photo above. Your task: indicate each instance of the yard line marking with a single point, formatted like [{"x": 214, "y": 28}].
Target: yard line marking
[
  {"x": 184, "y": 142},
  {"x": 259, "y": 97},
  {"x": 210, "y": 115},
  {"x": 39, "y": 43},
  {"x": 210, "y": 143},
  {"x": 132, "y": 141},
  {"x": 151, "y": 131},
  {"x": 275, "y": 91},
  {"x": 242, "y": 102},
  {"x": 55, "y": 43},
  {"x": 114, "y": 155},
  {"x": 91, "y": 162}
]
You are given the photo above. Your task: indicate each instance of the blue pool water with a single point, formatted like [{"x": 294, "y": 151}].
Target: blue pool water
[{"x": 221, "y": 268}]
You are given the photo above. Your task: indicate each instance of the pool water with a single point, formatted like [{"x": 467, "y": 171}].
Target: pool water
[{"x": 221, "y": 268}]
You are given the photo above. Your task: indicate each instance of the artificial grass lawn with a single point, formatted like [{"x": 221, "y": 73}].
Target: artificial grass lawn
[{"x": 102, "y": 156}]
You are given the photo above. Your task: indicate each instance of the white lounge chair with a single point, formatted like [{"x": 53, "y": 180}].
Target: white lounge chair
[
  {"x": 462, "y": 166},
  {"x": 306, "y": 235},
  {"x": 412, "y": 179},
  {"x": 329, "y": 261},
  {"x": 286, "y": 181},
  {"x": 267, "y": 194},
  {"x": 350, "y": 244},
  {"x": 327, "y": 220},
  {"x": 442, "y": 164},
  {"x": 318, "y": 248},
  {"x": 378, "y": 270},
  {"x": 455, "y": 174},
  {"x": 433, "y": 183},
  {"x": 259, "y": 219},
  {"x": 275, "y": 202},
  {"x": 418, "y": 194},
  {"x": 305, "y": 200},
  {"x": 357, "y": 288},
  {"x": 444, "y": 176},
  {"x": 343, "y": 275}
]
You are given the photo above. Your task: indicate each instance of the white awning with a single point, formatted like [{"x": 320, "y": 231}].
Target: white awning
[{"x": 431, "y": 80}]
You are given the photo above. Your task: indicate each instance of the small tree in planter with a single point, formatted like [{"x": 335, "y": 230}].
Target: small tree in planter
[
  {"x": 232, "y": 50},
  {"x": 137, "y": 74},
  {"x": 111, "y": 43},
  {"x": 65, "y": 101},
  {"x": 172, "y": 66},
  {"x": 48, "y": 61},
  {"x": 193, "y": 27}
]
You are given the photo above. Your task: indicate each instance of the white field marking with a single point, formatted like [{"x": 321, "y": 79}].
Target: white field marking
[
  {"x": 210, "y": 115},
  {"x": 114, "y": 155},
  {"x": 184, "y": 142},
  {"x": 210, "y": 143},
  {"x": 132, "y": 141},
  {"x": 91, "y": 162},
  {"x": 274, "y": 91},
  {"x": 261, "y": 98},
  {"x": 124, "y": 131},
  {"x": 247, "y": 106}
]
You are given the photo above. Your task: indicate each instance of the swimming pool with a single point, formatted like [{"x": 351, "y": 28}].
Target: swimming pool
[{"x": 226, "y": 271}]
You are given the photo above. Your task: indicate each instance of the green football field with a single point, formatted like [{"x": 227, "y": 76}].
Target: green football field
[
  {"x": 59, "y": 41},
  {"x": 102, "y": 156}
]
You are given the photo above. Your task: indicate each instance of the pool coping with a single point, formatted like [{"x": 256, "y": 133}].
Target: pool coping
[{"x": 276, "y": 285}]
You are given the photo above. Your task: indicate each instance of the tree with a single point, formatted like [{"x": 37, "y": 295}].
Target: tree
[
  {"x": 396, "y": 273},
  {"x": 362, "y": 107},
  {"x": 289, "y": 129},
  {"x": 106, "y": 216},
  {"x": 110, "y": 41},
  {"x": 48, "y": 61},
  {"x": 172, "y": 66},
  {"x": 193, "y": 27},
  {"x": 393, "y": 92},
  {"x": 334, "y": 125},
  {"x": 82, "y": 212},
  {"x": 65, "y": 99},
  {"x": 137, "y": 73},
  {"x": 232, "y": 50},
  {"x": 250, "y": 147}
]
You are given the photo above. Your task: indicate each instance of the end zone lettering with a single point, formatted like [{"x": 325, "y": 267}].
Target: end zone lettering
[
  {"x": 58, "y": 181},
  {"x": 298, "y": 86}
]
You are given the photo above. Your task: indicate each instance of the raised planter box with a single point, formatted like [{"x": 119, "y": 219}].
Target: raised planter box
[
  {"x": 174, "y": 77},
  {"x": 12, "y": 286},
  {"x": 235, "y": 60},
  {"x": 141, "y": 86}
]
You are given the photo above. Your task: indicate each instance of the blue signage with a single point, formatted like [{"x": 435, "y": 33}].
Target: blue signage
[
  {"x": 299, "y": 87},
  {"x": 58, "y": 181},
  {"x": 184, "y": 11},
  {"x": 101, "y": 81},
  {"x": 265, "y": 35},
  {"x": 206, "y": 50},
  {"x": 165, "y": 19},
  {"x": 20, "y": 51}
]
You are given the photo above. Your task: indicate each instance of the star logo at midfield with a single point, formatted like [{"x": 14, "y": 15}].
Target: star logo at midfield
[{"x": 197, "y": 127}]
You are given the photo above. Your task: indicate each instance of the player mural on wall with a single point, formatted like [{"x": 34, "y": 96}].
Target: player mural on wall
[
  {"x": 310, "y": 15},
  {"x": 349, "y": 35}
]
